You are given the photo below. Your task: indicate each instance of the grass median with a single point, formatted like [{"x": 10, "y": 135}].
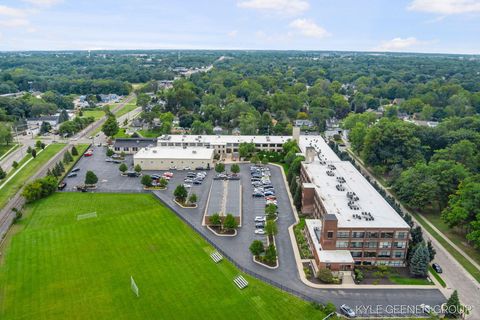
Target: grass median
[
  {"x": 82, "y": 268},
  {"x": 22, "y": 175}
]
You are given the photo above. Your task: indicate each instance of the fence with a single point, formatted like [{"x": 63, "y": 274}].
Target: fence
[{"x": 240, "y": 267}]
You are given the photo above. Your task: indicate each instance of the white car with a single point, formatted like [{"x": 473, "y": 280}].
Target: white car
[
  {"x": 259, "y": 231},
  {"x": 347, "y": 311},
  {"x": 187, "y": 185},
  {"x": 260, "y": 219}
]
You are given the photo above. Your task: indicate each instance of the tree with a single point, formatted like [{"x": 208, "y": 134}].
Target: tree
[
  {"x": 74, "y": 151},
  {"x": 110, "y": 152},
  {"x": 123, "y": 167},
  {"x": 45, "y": 127},
  {"x": 40, "y": 188},
  {"x": 63, "y": 116},
  {"x": 110, "y": 127},
  {"x": 219, "y": 167},
  {"x": 256, "y": 248},
  {"x": 91, "y": 178},
  {"x": 235, "y": 168},
  {"x": 419, "y": 261},
  {"x": 297, "y": 196},
  {"x": 325, "y": 275},
  {"x": 38, "y": 144},
  {"x": 67, "y": 157},
  {"x": 453, "y": 308},
  {"x": 265, "y": 160},
  {"x": 180, "y": 193},
  {"x": 230, "y": 222},
  {"x": 417, "y": 235},
  {"x": 137, "y": 168},
  {"x": 34, "y": 153},
  {"x": 271, "y": 227},
  {"x": 215, "y": 219},
  {"x": 163, "y": 182},
  {"x": 431, "y": 250},
  {"x": 29, "y": 150},
  {"x": 245, "y": 149},
  {"x": 15, "y": 164},
  {"x": 193, "y": 198},
  {"x": 146, "y": 181},
  {"x": 3, "y": 174},
  {"x": 271, "y": 211},
  {"x": 271, "y": 253}
]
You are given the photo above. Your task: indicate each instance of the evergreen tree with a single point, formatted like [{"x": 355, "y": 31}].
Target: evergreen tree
[
  {"x": 91, "y": 178},
  {"x": 453, "y": 306},
  {"x": 74, "y": 151},
  {"x": 431, "y": 250},
  {"x": 29, "y": 149},
  {"x": 293, "y": 186},
  {"x": 297, "y": 197},
  {"x": 110, "y": 127},
  {"x": 3, "y": 174},
  {"x": 61, "y": 167},
  {"x": 419, "y": 262},
  {"x": 34, "y": 153},
  {"x": 417, "y": 235}
]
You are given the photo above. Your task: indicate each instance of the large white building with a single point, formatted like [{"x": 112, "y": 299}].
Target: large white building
[{"x": 165, "y": 158}]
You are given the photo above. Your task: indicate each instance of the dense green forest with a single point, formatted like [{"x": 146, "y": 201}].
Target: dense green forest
[{"x": 264, "y": 92}]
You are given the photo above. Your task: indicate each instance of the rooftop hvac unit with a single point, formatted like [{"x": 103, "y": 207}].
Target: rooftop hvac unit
[
  {"x": 194, "y": 151},
  {"x": 154, "y": 151}
]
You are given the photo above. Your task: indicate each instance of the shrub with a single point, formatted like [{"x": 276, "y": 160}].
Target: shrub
[
  {"x": 219, "y": 167},
  {"x": 137, "y": 168},
  {"x": 162, "y": 182},
  {"x": 325, "y": 275},
  {"x": 235, "y": 168},
  {"x": 230, "y": 222},
  {"x": 91, "y": 178},
  {"x": 15, "y": 164},
  {"x": 193, "y": 198},
  {"x": 146, "y": 181},
  {"x": 215, "y": 220},
  {"x": 123, "y": 168},
  {"x": 271, "y": 254},
  {"x": 110, "y": 152},
  {"x": 180, "y": 193},
  {"x": 256, "y": 248}
]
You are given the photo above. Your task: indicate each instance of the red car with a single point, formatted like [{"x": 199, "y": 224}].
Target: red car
[{"x": 89, "y": 153}]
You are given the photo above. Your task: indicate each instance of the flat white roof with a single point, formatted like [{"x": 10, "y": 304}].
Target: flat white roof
[
  {"x": 175, "y": 153},
  {"x": 336, "y": 201},
  {"x": 314, "y": 227},
  {"x": 222, "y": 139}
]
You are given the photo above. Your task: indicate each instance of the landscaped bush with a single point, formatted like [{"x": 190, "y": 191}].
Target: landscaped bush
[{"x": 325, "y": 275}]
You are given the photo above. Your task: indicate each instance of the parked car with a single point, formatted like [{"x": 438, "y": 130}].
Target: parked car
[
  {"x": 259, "y": 231},
  {"x": 259, "y": 225},
  {"x": 155, "y": 176},
  {"x": 89, "y": 153},
  {"x": 132, "y": 174},
  {"x": 197, "y": 182},
  {"x": 257, "y": 194},
  {"x": 187, "y": 168},
  {"x": 71, "y": 175},
  {"x": 437, "y": 267},
  {"x": 188, "y": 180},
  {"x": 187, "y": 185},
  {"x": 168, "y": 174},
  {"x": 62, "y": 185},
  {"x": 267, "y": 202},
  {"x": 75, "y": 170},
  {"x": 269, "y": 193},
  {"x": 81, "y": 188},
  {"x": 347, "y": 311},
  {"x": 260, "y": 219},
  {"x": 173, "y": 168},
  {"x": 270, "y": 197},
  {"x": 109, "y": 160}
]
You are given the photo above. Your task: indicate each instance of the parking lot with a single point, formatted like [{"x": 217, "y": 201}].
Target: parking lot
[{"x": 286, "y": 274}]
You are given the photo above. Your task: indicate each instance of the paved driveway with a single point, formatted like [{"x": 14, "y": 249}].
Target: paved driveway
[{"x": 287, "y": 275}]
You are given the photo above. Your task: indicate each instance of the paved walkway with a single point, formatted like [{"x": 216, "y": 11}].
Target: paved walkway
[
  {"x": 454, "y": 274},
  {"x": 287, "y": 276}
]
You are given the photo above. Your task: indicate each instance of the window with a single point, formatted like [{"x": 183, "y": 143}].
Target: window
[
  {"x": 117, "y": 148},
  {"x": 401, "y": 234},
  {"x": 329, "y": 234},
  {"x": 342, "y": 244},
  {"x": 399, "y": 254},
  {"x": 356, "y": 244},
  {"x": 358, "y": 234},
  {"x": 384, "y": 254},
  {"x": 386, "y": 235},
  {"x": 343, "y": 234},
  {"x": 356, "y": 254},
  {"x": 400, "y": 244},
  {"x": 385, "y": 244},
  {"x": 370, "y": 244},
  {"x": 369, "y": 254},
  {"x": 372, "y": 234}
]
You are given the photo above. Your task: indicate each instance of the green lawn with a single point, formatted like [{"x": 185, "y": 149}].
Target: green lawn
[
  {"x": 454, "y": 235},
  {"x": 409, "y": 281},
  {"x": 12, "y": 187},
  {"x": 6, "y": 149},
  {"x": 437, "y": 276},
  {"x": 95, "y": 113},
  {"x": 149, "y": 133},
  {"x": 457, "y": 255},
  {"x": 122, "y": 134},
  {"x": 132, "y": 105},
  {"x": 59, "y": 268}
]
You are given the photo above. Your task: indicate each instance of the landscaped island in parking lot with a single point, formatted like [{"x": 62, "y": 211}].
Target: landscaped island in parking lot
[{"x": 73, "y": 255}]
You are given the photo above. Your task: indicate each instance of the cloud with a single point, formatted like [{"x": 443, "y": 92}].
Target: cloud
[
  {"x": 11, "y": 12},
  {"x": 399, "y": 44},
  {"x": 445, "y": 7},
  {"x": 43, "y": 3},
  {"x": 308, "y": 28},
  {"x": 233, "y": 33},
  {"x": 287, "y": 7},
  {"x": 14, "y": 23}
]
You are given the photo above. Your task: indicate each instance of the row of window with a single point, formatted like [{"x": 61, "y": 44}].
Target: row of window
[
  {"x": 391, "y": 263},
  {"x": 126, "y": 149},
  {"x": 374, "y": 235},
  {"x": 380, "y": 254},
  {"x": 372, "y": 244},
  {"x": 228, "y": 145}
]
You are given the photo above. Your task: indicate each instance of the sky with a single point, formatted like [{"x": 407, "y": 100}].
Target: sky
[{"x": 438, "y": 26}]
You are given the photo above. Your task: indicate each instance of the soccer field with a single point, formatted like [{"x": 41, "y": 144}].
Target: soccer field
[{"x": 62, "y": 267}]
